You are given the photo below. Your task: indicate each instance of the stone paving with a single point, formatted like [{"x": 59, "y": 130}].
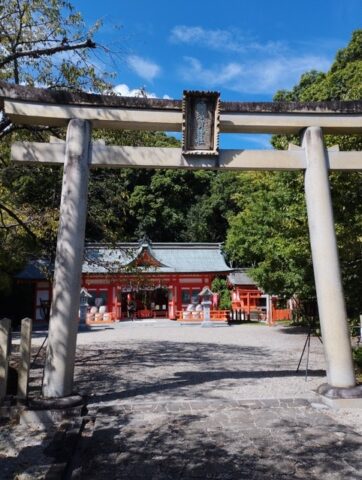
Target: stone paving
[
  {"x": 175, "y": 404},
  {"x": 171, "y": 402},
  {"x": 217, "y": 440}
]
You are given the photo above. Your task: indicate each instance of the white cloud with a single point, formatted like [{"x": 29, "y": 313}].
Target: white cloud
[
  {"x": 144, "y": 68},
  {"x": 264, "y": 76},
  {"x": 210, "y": 38},
  {"x": 269, "y": 75},
  {"x": 232, "y": 40},
  {"x": 212, "y": 76},
  {"x": 247, "y": 65},
  {"x": 124, "y": 90}
]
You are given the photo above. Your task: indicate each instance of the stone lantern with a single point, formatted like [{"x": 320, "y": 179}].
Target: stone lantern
[
  {"x": 83, "y": 304},
  {"x": 206, "y": 301}
]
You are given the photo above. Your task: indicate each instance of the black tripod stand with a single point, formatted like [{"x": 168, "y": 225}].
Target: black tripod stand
[{"x": 311, "y": 329}]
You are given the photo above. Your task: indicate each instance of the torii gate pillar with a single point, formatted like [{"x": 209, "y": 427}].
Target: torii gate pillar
[
  {"x": 63, "y": 326},
  {"x": 331, "y": 305}
]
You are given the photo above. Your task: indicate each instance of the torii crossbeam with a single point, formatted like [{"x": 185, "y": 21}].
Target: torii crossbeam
[{"x": 81, "y": 112}]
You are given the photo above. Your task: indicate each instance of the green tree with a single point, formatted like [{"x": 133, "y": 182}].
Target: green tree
[
  {"x": 208, "y": 217},
  {"x": 42, "y": 42},
  {"x": 270, "y": 232},
  {"x": 46, "y": 42},
  {"x": 126, "y": 204},
  {"x": 162, "y": 205},
  {"x": 219, "y": 285}
]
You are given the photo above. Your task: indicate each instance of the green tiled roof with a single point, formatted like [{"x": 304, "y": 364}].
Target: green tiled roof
[
  {"x": 172, "y": 257},
  {"x": 240, "y": 277}
]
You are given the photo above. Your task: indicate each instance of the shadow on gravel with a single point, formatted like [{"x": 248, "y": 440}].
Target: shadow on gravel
[
  {"x": 150, "y": 369},
  {"x": 149, "y": 440},
  {"x": 181, "y": 447},
  {"x": 295, "y": 330},
  {"x": 187, "y": 379},
  {"x": 37, "y": 460}
]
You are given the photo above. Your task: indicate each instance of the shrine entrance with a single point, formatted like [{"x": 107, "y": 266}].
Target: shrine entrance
[
  {"x": 200, "y": 116},
  {"x": 149, "y": 302}
]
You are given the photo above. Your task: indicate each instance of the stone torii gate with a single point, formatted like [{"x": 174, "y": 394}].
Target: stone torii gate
[{"x": 81, "y": 112}]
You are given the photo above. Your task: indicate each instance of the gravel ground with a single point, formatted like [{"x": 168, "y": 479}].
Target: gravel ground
[
  {"x": 185, "y": 402},
  {"x": 248, "y": 361},
  {"x": 146, "y": 361},
  {"x": 152, "y": 385},
  {"x": 161, "y": 360}
]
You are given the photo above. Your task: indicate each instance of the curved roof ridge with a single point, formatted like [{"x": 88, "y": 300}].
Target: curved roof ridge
[{"x": 154, "y": 245}]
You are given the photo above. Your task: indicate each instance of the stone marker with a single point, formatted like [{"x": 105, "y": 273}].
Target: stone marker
[
  {"x": 5, "y": 335},
  {"x": 25, "y": 355}
]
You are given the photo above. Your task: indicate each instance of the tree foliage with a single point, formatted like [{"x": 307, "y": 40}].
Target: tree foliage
[
  {"x": 220, "y": 286},
  {"x": 124, "y": 203},
  {"x": 208, "y": 219},
  {"x": 270, "y": 231},
  {"x": 46, "y": 43},
  {"x": 42, "y": 43}
]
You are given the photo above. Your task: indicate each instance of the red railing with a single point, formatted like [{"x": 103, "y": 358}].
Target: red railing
[{"x": 280, "y": 314}]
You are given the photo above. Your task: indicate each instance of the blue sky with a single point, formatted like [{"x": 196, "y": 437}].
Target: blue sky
[{"x": 247, "y": 50}]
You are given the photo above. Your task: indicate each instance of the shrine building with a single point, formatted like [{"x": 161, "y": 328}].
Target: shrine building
[
  {"x": 246, "y": 297},
  {"x": 160, "y": 279}
]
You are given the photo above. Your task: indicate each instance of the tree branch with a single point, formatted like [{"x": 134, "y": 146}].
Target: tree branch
[
  {"x": 20, "y": 222},
  {"x": 47, "y": 51}
]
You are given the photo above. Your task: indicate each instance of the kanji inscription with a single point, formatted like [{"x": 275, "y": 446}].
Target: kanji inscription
[{"x": 200, "y": 123}]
